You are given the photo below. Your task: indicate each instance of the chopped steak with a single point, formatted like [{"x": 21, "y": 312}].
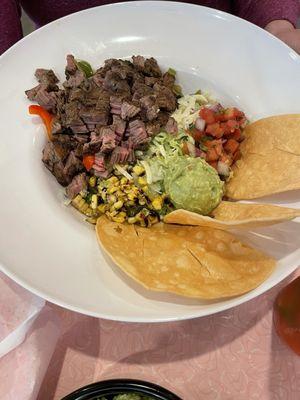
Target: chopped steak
[
  {"x": 119, "y": 126},
  {"x": 75, "y": 77},
  {"x": 72, "y": 118},
  {"x": 47, "y": 78},
  {"x": 109, "y": 114},
  {"x": 153, "y": 128},
  {"x": 150, "y": 107},
  {"x": 150, "y": 80},
  {"x": 148, "y": 66},
  {"x": 129, "y": 110},
  {"x": 99, "y": 166},
  {"x": 171, "y": 126},
  {"x": 115, "y": 105},
  {"x": 73, "y": 165},
  {"x": 162, "y": 118},
  {"x": 94, "y": 145},
  {"x": 166, "y": 99},
  {"x": 94, "y": 116},
  {"x": 121, "y": 155},
  {"x": 46, "y": 99},
  {"x": 109, "y": 140},
  {"x": 140, "y": 90},
  {"x": 168, "y": 80},
  {"x": 138, "y": 135},
  {"x": 56, "y": 126},
  {"x": 78, "y": 184},
  {"x": 53, "y": 156},
  {"x": 115, "y": 84}
]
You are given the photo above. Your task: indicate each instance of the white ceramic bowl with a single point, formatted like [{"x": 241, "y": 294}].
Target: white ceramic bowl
[{"x": 47, "y": 247}]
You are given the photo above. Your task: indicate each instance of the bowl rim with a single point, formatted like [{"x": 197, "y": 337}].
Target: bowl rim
[{"x": 122, "y": 385}]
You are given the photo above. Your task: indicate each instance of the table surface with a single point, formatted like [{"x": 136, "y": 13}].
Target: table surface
[{"x": 233, "y": 355}]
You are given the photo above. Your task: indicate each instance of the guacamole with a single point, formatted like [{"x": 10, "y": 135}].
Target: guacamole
[{"x": 192, "y": 184}]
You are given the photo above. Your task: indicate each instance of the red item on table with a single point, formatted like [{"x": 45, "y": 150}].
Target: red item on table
[{"x": 287, "y": 315}]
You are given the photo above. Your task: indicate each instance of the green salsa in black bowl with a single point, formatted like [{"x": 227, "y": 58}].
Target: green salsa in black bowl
[{"x": 122, "y": 389}]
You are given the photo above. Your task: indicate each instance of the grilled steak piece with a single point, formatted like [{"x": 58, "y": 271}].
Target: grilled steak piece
[
  {"x": 53, "y": 156},
  {"x": 109, "y": 115},
  {"x": 79, "y": 183}
]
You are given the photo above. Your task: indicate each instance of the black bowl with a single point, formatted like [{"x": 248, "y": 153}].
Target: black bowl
[{"x": 119, "y": 386}]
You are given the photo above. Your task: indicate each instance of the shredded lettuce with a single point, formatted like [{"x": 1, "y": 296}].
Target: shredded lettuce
[
  {"x": 167, "y": 145},
  {"x": 164, "y": 148}
]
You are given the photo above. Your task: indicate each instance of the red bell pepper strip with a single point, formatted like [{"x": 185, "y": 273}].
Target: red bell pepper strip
[{"x": 45, "y": 116}]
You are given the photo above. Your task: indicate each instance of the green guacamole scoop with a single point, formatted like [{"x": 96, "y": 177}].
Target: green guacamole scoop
[{"x": 192, "y": 184}]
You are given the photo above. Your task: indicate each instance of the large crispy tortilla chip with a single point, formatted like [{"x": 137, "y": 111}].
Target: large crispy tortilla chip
[
  {"x": 189, "y": 261},
  {"x": 229, "y": 215},
  {"x": 270, "y": 159}
]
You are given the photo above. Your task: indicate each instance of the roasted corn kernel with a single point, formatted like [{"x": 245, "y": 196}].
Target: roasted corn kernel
[
  {"x": 120, "y": 217},
  {"x": 102, "y": 208},
  {"x": 113, "y": 179},
  {"x": 112, "y": 199},
  {"x": 81, "y": 205},
  {"x": 142, "y": 181},
  {"x": 123, "y": 181},
  {"x": 94, "y": 201},
  {"x": 157, "y": 203},
  {"x": 92, "y": 181},
  {"x": 112, "y": 189},
  {"x": 138, "y": 170},
  {"x": 131, "y": 220},
  {"x": 118, "y": 204}
]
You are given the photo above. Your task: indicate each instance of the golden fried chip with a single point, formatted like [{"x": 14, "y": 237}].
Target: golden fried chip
[
  {"x": 189, "y": 261},
  {"x": 229, "y": 215},
  {"x": 270, "y": 159}
]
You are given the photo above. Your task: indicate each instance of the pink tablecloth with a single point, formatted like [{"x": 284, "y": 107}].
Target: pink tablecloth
[{"x": 234, "y": 355}]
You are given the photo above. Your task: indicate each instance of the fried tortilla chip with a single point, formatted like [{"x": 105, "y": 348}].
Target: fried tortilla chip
[
  {"x": 270, "y": 159},
  {"x": 229, "y": 215},
  {"x": 189, "y": 261}
]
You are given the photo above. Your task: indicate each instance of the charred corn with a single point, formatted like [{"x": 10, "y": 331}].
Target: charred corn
[
  {"x": 94, "y": 202},
  {"x": 157, "y": 203},
  {"x": 81, "y": 205},
  {"x": 138, "y": 170},
  {"x": 92, "y": 181}
]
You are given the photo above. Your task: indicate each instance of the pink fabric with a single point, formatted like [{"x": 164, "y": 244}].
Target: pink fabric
[{"x": 234, "y": 355}]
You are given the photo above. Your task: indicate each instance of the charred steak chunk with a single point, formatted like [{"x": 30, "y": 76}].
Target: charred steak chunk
[
  {"x": 77, "y": 185},
  {"x": 108, "y": 115}
]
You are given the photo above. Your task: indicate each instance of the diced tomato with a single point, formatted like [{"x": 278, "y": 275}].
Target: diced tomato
[
  {"x": 231, "y": 146},
  {"x": 196, "y": 134},
  {"x": 232, "y": 113},
  {"x": 215, "y": 130},
  {"x": 219, "y": 149},
  {"x": 236, "y": 135},
  {"x": 88, "y": 161},
  {"x": 226, "y": 128},
  {"x": 232, "y": 124},
  {"x": 211, "y": 143},
  {"x": 208, "y": 115},
  {"x": 212, "y": 155}
]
